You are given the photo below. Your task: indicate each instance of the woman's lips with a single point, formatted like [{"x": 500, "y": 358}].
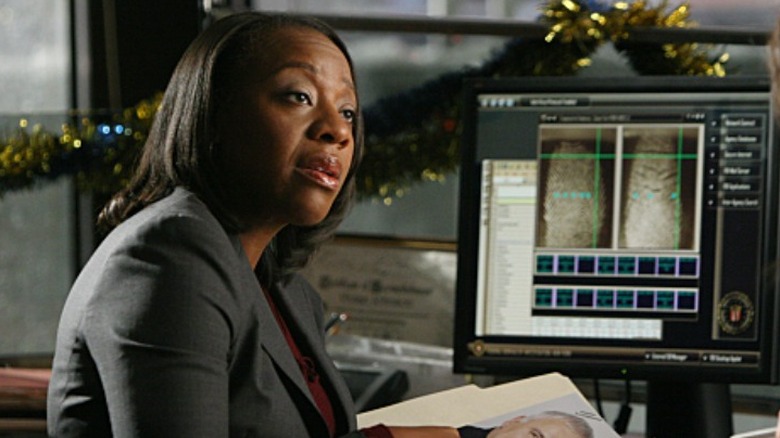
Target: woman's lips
[{"x": 324, "y": 170}]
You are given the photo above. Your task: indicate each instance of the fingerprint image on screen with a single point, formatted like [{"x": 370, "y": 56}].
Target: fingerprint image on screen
[
  {"x": 659, "y": 177},
  {"x": 575, "y": 192}
]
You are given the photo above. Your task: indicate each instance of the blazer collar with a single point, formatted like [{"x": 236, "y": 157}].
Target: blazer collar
[
  {"x": 295, "y": 305},
  {"x": 271, "y": 337},
  {"x": 294, "y": 298}
]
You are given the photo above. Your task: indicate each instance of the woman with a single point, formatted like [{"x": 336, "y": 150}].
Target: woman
[{"x": 189, "y": 319}]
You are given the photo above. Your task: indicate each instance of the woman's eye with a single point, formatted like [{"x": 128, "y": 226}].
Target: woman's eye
[
  {"x": 300, "y": 97},
  {"x": 349, "y": 115}
]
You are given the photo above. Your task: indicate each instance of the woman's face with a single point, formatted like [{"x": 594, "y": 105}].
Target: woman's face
[
  {"x": 529, "y": 427},
  {"x": 284, "y": 132}
]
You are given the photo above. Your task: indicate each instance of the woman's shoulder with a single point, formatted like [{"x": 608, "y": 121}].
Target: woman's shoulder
[
  {"x": 181, "y": 204},
  {"x": 180, "y": 215},
  {"x": 177, "y": 233},
  {"x": 172, "y": 254}
]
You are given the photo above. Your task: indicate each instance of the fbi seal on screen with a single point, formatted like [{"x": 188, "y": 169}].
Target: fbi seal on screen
[{"x": 735, "y": 312}]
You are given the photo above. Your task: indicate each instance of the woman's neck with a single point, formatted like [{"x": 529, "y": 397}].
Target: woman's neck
[{"x": 255, "y": 242}]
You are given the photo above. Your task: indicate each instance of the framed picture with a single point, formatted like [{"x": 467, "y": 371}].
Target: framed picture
[{"x": 388, "y": 288}]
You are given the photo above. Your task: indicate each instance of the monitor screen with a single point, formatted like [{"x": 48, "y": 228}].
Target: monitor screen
[{"x": 618, "y": 228}]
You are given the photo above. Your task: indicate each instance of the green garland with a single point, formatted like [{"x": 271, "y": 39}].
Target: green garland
[
  {"x": 415, "y": 136},
  {"x": 98, "y": 149},
  {"x": 410, "y": 137}
]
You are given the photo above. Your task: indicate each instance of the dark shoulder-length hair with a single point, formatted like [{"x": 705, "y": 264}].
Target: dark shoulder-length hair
[{"x": 178, "y": 150}]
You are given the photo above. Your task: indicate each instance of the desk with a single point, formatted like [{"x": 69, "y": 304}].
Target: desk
[{"x": 23, "y": 401}]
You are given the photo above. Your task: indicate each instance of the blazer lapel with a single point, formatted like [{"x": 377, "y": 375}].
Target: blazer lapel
[
  {"x": 274, "y": 343},
  {"x": 298, "y": 305}
]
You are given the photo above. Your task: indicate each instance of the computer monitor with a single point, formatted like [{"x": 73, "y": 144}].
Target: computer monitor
[{"x": 619, "y": 228}]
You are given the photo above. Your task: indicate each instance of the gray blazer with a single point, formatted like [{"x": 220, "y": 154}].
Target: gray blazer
[{"x": 166, "y": 333}]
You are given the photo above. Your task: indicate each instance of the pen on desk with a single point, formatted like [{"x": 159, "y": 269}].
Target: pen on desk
[{"x": 333, "y": 322}]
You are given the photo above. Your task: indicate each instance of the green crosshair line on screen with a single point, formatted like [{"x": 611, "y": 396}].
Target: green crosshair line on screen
[
  {"x": 597, "y": 155},
  {"x": 679, "y": 156},
  {"x": 678, "y": 190},
  {"x": 596, "y": 191}
]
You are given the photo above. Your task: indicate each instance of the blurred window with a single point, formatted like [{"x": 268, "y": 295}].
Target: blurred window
[
  {"x": 389, "y": 62},
  {"x": 36, "y": 225}
]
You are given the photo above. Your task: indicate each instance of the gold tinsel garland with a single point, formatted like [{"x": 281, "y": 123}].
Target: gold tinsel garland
[
  {"x": 99, "y": 149},
  {"x": 402, "y": 147}
]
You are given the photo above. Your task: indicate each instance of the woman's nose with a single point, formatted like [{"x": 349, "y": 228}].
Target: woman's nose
[{"x": 332, "y": 127}]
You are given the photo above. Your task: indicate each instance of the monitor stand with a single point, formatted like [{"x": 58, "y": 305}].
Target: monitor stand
[{"x": 687, "y": 409}]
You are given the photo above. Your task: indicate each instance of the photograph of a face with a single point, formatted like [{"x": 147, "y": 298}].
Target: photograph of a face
[{"x": 563, "y": 417}]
